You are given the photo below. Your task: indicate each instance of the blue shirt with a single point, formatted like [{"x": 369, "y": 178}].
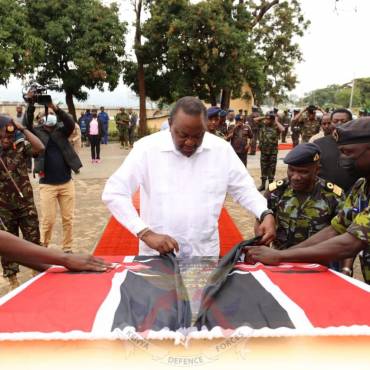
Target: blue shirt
[{"x": 104, "y": 118}]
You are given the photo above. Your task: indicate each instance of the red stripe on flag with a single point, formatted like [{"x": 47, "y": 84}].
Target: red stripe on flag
[
  {"x": 57, "y": 302},
  {"x": 326, "y": 298}
]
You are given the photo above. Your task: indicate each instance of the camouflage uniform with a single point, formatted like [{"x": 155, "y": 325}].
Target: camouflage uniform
[
  {"x": 297, "y": 219},
  {"x": 254, "y": 127},
  {"x": 122, "y": 122},
  {"x": 309, "y": 128},
  {"x": 17, "y": 212},
  {"x": 285, "y": 121},
  {"x": 295, "y": 129},
  {"x": 354, "y": 218},
  {"x": 268, "y": 144},
  {"x": 239, "y": 140}
]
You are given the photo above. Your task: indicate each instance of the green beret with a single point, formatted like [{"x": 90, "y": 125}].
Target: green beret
[
  {"x": 302, "y": 154},
  {"x": 353, "y": 132}
]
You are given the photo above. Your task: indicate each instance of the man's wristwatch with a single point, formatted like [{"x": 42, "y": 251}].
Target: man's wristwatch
[{"x": 265, "y": 213}]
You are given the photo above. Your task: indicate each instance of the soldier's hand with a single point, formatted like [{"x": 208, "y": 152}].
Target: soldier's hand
[
  {"x": 160, "y": 242},
  {"x": 267, "y": 229},
  {"x": 86, "y": 262},
  {"x": 263, "y": 254}
]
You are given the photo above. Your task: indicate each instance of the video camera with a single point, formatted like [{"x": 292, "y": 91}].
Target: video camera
[{"x": 40, "y": 95}]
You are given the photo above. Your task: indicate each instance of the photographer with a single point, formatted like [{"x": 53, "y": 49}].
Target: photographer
[
  {"x": 269, "y": 132},
  {"x": 308, "y": 122},
  {"x": 17, "y": 206},
  {"x": 54, "y": 168}
]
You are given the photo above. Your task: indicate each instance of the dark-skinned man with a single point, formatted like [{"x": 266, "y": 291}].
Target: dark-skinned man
[
  {"x": 308, "y": 122},
  {"x": 303, "y": 203},
  {"x": 39, "y": 258},
  {"x": 295, "y": 128},
  {"x": 183, "y": 174},
  {"x": 269, "y": 132},
  {"x": 326, "y": 128},
  {"x": 329, "y": 161},
  {"x": 17, "y": 207},
  {"x": 213, "y": 114},
  {"x": 253, "y": 124},
  {"x": 239, "y": 136},
  {"x": 349, "y": 232}
]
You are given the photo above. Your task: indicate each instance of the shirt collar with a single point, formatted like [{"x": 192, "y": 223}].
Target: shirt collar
[{"x": 167, "y": 144}]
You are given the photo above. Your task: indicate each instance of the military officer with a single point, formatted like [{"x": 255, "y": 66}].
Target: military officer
[
  {"x": 269, "y": 132},
  {"x": 17, "y": 207},
  {"x": 213, "y": 115},
  {"x": 295, "y": 128},
  {"x": 122, "y": 121},
  {"x": 309, "y": 123},
  {"x": 239, "y": 136},
  {"x": 303, "y": 203},
  {"x": 349, "y": 232},
  {"x": 253, "y": 124}
]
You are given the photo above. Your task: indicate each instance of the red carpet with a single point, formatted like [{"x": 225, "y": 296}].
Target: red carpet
[
  {"x": 283, "y": 146},
  {"x": 117, "y": 240}
]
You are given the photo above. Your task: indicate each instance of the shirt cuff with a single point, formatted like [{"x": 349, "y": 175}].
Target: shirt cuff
[
  {"x": 137, "y": 225},
  {"x": 337, "y": 226}
]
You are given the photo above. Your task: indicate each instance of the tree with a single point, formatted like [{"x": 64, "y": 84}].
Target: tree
[
  {"x": 339, "y": 95},
  {"x": 216, "y": 46},
  {"x": 143, "y": 128},
  {"x": 84, "y": 45},
  {"x": 18, "y": 44}
]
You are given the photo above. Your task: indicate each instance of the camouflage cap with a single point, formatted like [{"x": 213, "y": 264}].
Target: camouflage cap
[
  {"x": 303, "y": 154},
  {"x": 353, "y": 132}
]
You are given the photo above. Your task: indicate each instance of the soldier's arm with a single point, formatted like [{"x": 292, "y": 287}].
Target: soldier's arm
[
  {"x": 297, "y": 118},
  {"x": 336, "y": 248},
  {"x": 279, "y": 126},
  {"x": 324, "y": 234},
  {"x": 40, "y": 258}
]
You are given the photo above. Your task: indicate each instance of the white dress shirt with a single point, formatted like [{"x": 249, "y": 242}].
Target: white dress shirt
[{"x": 180, "y": 196}]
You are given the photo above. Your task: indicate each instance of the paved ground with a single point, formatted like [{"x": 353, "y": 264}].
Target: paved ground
[{"x": 91, "y": 214}]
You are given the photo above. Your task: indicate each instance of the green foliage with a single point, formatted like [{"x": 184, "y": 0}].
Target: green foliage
[
  {"x": 339, "y": 95},
  {"x": 18, "y": 44},
  {"x": 84, "y": 43},
  {"x": 203, "y": 48}
]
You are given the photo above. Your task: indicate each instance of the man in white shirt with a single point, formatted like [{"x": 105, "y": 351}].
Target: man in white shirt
[{"x": 184, "y": 174}]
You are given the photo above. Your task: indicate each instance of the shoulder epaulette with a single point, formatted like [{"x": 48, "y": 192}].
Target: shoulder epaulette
[
  {"x": 337, "y": 190},
  {"x": 276, "y": 184}
]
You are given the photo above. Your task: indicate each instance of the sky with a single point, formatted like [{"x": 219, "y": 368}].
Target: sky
[{"x": 335, "y": 50}]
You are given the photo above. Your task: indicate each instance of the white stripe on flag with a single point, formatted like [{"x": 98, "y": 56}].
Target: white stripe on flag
[
  {"x": 353, "y": 281},
  {"x": 105, "y": 315},
  {"x": 295, "y": 312}
]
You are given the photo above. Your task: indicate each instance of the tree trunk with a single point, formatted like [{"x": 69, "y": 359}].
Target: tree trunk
[
  {"x": 225, "y": 98},
  {"x": 71, "y": 105},
  {"x": 143, "y": 127}
]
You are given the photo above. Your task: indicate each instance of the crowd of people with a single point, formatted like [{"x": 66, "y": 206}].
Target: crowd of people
[{"x": 184, "y": 173}]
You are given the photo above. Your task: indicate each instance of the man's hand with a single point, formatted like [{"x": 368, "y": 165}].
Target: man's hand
[
  {"x": 263, "y": 254},
  {"x": 85, "y": 262},
  {"x": 160, "y": 242},
  {"x": 267, "y": 229}
]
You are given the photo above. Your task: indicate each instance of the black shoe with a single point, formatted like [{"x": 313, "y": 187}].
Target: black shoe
[{"x": 263, "y": 186}]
